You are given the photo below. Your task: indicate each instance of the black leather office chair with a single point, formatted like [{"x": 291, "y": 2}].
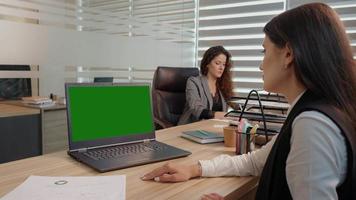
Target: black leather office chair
[
  {"x": 15, "y": 88},
  {"x": 168, "y": 94}
]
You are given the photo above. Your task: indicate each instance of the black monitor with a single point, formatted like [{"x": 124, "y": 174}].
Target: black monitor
[
  {"x": 103, "y": 79},
  {"x": 15, "y": 88}
]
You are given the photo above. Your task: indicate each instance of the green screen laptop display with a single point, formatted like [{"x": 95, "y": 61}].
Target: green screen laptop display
[{"x": 107, "y": 111}]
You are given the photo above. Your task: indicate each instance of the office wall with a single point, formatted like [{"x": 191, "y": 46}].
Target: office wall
[{"x": 74, "y": 41}]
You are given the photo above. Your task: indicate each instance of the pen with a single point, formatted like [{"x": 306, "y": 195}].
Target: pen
[{"x": 254, "y": 129}]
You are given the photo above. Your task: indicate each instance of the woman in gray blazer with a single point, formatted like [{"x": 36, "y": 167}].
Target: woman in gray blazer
[{"x": 206, "y": 95}]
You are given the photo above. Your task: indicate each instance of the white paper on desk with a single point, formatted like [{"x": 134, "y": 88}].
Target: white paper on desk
[{"x": 76, "y": 188}]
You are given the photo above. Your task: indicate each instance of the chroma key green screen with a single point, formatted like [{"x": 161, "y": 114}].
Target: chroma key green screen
[{"x": 109, "y": 111}]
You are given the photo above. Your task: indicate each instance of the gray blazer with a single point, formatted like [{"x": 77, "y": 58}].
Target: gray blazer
[{"x": 198, "y": 98}]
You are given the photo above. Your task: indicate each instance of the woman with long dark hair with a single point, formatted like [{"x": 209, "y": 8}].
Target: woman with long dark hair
[
  {"x": 207, "y": 95},
  {"x": 307, "y": 58}
]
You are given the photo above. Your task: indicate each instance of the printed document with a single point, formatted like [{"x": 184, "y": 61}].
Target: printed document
[{"x": 70, "y": 188}]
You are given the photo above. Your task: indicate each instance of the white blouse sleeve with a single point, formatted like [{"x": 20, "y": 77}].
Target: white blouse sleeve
[
  {"x": 317, "y": 161},
  {"x": 242, "y": 165},
  {"x": 316, "y": 164}
]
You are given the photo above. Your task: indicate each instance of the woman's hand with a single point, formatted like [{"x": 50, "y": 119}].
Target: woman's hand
[
  {"x": 173, "y": 173},
  {"x": 212, "y": 196},
  {"x": 219, "y": 115}
]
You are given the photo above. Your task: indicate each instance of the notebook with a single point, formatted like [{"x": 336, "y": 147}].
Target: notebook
[
  {"x": 110, "y": 126},
  {"x": 202, "y": 136}
]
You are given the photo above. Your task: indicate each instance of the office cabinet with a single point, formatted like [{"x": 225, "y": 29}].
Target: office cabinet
[
  {"x": 20, "y": 133},
  {"x": 54, "y": 129}
]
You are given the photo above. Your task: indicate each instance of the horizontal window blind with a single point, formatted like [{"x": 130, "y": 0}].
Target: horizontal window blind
[
  {"x": 237, "y": 25},
  {"x": 164, "y": 20},
  {"x": 171, "y": 21},
  {"x": 347, "y": 12},
  {"x": 119, "y": 74}
]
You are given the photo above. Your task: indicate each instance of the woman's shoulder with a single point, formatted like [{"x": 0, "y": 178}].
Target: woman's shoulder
[
  {"x": 195, "y": 79},
  {"x": 321, "y": 125},
  {"x": 315, "y": 117}
]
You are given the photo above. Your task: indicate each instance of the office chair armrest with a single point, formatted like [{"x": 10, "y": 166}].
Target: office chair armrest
[{"x": 162, "y": 123}]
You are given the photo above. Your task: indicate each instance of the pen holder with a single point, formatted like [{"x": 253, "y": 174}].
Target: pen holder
[
  {"x": 230, "y": 136},
  {"x": 245, "y": 142}
]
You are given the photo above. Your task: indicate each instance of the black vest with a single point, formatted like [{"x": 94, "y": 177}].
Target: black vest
[{"x": 273, "y": 181}]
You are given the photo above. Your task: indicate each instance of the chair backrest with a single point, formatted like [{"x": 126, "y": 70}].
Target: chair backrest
[
  {"x": 168, "y": 92},
  {"x": 15, "y": 88}
]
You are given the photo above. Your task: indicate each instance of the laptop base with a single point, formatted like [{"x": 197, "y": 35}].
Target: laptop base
[{"x": 129, "y": 160}]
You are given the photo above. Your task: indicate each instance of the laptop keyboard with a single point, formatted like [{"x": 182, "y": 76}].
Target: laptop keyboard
[{"x": 124, "y": 150}]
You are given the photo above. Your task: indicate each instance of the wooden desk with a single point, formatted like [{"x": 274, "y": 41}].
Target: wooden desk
[
  {"x": 20, "y": 103},
  {"x": 60, "y": 164},
  {"x": 53, "y": 125},
  {"x": 13, "y": 111}
]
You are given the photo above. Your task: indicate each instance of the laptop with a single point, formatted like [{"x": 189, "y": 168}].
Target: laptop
[{"x": 110, "y": 126}]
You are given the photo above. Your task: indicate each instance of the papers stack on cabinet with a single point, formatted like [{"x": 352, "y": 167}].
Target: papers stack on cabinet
[
  {"x": 202, "y": 136},
  {"x": 37, "y": 101}
]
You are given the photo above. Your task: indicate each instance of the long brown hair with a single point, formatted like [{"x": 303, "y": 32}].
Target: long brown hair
[
  {"x": 224, "y": 83},
  {"x": 323, "y": 56}
]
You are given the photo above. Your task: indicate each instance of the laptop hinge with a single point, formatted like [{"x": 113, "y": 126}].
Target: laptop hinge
[{"x": 82, "y": 150}]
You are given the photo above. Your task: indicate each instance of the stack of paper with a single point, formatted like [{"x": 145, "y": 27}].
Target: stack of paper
[
  {"x": 37, "y": 101},
  {"x": 70, "y": 188}
]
